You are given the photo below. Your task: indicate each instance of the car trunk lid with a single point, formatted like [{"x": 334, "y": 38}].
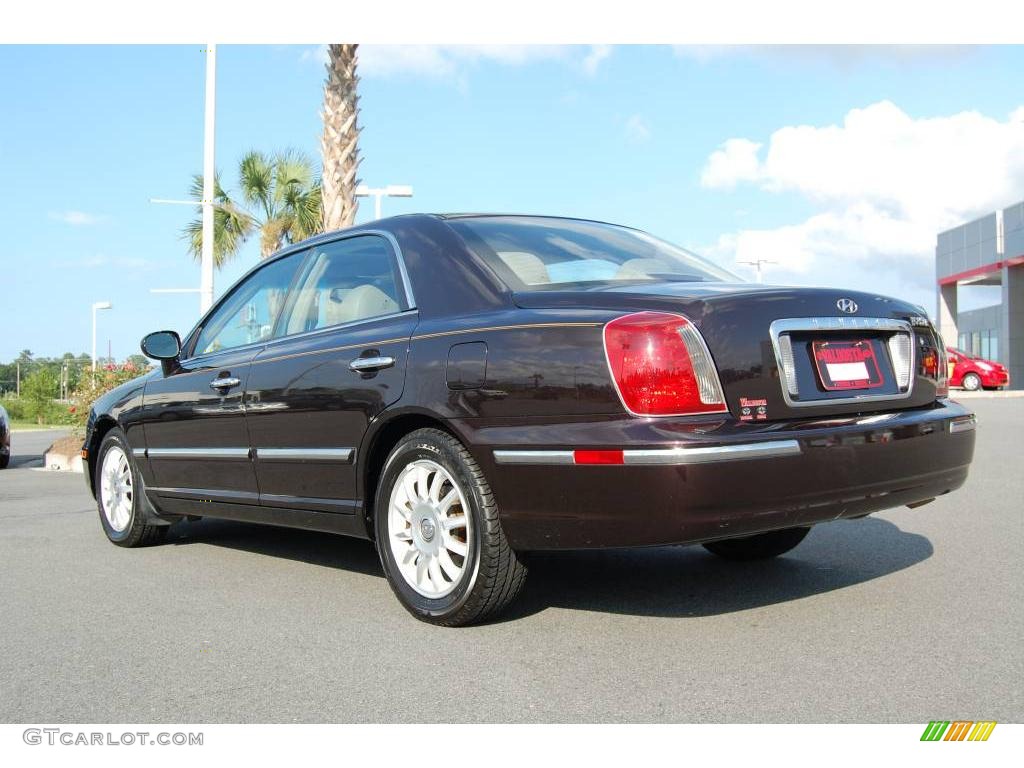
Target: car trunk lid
[{"x": 789, "y": 352}]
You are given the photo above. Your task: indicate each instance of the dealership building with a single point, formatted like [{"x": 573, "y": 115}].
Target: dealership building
[{"x": 987, "y": 251}]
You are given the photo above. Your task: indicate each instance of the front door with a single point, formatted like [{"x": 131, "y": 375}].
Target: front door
[
  {"x": 197, "y": 443},
  {"x": 339, "y": 362}
]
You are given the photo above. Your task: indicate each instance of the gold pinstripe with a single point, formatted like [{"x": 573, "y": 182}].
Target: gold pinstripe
[
  {"x": 506, "y": 328},
  {"x": 427, "y": 336},
  {"x": 325, "y": 350}
]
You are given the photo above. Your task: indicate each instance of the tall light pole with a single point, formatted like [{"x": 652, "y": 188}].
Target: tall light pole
[
  {"x": 207, "y": 203},
  {"x": 392, "y": 190},
  {"x": 97, "y": 306},
  {"x": 206, "y": 272},
  {"x": 757, "y": 263}
]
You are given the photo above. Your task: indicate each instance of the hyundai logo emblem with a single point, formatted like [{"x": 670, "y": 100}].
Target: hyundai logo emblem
[{"x": 849, "y": 306}]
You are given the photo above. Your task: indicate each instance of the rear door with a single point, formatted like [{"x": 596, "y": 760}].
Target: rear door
[
  {"x": 197, "y": 442},
  {"x": 338, "y": 362}
]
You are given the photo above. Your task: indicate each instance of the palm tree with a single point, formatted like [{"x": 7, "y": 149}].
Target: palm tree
[
  {"x": 340, "y": 142},
  {"x": 282, "y": 202}
]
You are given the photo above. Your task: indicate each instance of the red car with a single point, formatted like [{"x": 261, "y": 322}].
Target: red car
[{"x": 973, "y": 373}]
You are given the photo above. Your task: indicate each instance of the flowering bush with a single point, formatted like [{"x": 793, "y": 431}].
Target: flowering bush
[{"x": 92, "y": 387}]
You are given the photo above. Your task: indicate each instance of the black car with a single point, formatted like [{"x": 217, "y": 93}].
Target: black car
[
  {"x": 464, "y": 389},
  {"x": 5, "y": 439}
]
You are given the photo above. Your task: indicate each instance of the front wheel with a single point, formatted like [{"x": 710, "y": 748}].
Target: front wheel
[
  {"x": 972, "y": 382},
  {"x": 759, "y": 547},
  {"x": 438, "y": 534},
  {"x": 119, "y": 497}
]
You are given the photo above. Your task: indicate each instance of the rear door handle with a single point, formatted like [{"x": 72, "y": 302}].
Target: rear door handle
[
  {"x": 226, "y": 382},
  {"x": 364, "y": 364}
]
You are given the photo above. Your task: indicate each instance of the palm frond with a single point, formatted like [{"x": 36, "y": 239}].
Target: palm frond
[
  {"x": 256, "y": 176},
  {"x": 231, "y": 225}
]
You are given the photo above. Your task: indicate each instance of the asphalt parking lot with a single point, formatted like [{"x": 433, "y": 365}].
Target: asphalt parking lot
[{"x": 907, "y": 616}]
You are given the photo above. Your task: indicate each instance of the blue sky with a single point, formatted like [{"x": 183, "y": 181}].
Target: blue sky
[{"x": 701, "y": 146}]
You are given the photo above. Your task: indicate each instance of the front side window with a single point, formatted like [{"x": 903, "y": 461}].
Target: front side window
[
  {"x": 531, "y": 253},
  {"x": 346, "y": 281},
  {"x": 250, "y": 312}
]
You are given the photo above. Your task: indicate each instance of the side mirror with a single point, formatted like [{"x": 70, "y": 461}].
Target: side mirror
[{"x": 164, "y": 346}]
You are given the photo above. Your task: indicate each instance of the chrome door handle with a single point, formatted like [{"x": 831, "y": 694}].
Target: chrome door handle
[
  {"x": 225, "y": 383},
  {"x": 364, "y": 364}
]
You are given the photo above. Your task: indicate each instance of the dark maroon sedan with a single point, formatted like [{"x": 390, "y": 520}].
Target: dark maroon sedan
[{"x": 464, "y": 389}]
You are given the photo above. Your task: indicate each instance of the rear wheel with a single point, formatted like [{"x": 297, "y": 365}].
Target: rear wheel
[
  {"x": 972, "y": 382},
  {"x": 118, "y": 497},
  {"x": 440, "y": 542},
  {"x": 5, "y": 459},
  {"x": 759, "y": 547}
]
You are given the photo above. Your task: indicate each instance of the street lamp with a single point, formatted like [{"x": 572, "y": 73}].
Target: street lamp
[
  {"x": 757, "y": 263},
  {"x": 97, "y": 306},
  {"x": 392, "y": 190}
]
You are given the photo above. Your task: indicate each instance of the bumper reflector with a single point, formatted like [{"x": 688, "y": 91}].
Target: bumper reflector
[{"x": 597, "y": 457}]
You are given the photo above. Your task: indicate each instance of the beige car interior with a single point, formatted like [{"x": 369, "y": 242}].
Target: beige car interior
[{"x": 319, "y": 305}]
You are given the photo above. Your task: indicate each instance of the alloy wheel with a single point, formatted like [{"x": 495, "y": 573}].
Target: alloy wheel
[
  {"x": 116, "y": 493},
  {"x": 429, "y": 528}
]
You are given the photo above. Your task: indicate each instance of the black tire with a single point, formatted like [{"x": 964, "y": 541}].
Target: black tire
[
  {"x": 138, "y": 532},
  {"x": 759, "y": 547},
  {"x": 971, "y": 382},
  {"x": 5, "y": 459},
  {"x": 492, "y": 574}
]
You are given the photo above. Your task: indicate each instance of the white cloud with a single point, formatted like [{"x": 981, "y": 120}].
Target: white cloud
[
  {"x": 452, "y": 61},
  {"x": 839, "y": 56},
  {"x": 74, "y": 218},
  {"x": 885, "y": 184},
  {"x": 637, "y": 129},
  {"x": 592, "y": 60},
  {"x": 736, "y": 161}
]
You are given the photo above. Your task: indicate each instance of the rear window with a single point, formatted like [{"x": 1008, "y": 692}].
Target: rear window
[{"x": 531, "y": 253}]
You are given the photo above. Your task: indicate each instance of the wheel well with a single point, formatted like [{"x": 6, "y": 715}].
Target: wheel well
[
  {"x": 103, "y": 425},
  {"x": 386, "y": 439}
]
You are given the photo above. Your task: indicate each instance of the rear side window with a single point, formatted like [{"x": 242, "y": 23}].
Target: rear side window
[
  {"x": 346, "y": 281},
  {"x": 531, "y": 253}
]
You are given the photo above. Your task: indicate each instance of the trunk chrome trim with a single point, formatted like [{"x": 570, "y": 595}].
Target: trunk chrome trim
[
  {"x": 963, "y": 425},
  {"x": 663, "y": 456},
  {"x": 832, "y": 325},
  {"x": 197, "y": 453},
  {"x": 344, "y": 455}
]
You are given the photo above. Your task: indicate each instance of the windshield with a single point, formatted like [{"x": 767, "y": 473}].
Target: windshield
[
  {"x": 531, "y": 253},
  {"x": 968, "y": 355}
]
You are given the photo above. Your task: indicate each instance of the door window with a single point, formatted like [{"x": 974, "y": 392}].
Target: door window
[
  {"x": 346, "y": 281},
  {"x": 251, "y": 311}
]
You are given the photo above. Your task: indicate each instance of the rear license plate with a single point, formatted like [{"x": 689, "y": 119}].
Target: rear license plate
[{"x": 847, "y": 364}]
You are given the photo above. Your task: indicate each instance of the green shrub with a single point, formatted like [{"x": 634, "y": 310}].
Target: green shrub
[
  {"x": 15, "y": 407},
  {"x": 38, "y": 392}
]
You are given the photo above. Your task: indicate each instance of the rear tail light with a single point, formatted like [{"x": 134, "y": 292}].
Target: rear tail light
[
  {"x": 942, "y": 377},
  {"x": 661, "y": 366},
  {"x": 900, "y": 348}
]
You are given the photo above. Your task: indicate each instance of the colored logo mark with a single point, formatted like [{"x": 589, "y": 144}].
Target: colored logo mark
[{"x": 958, "y": 730}]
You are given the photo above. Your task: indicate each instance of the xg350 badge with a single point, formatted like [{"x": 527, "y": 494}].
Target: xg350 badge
[{"x": 849, "y": 306}]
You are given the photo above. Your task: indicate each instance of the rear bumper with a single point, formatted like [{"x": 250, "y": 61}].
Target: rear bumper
[{"x": 684, "y": 481}]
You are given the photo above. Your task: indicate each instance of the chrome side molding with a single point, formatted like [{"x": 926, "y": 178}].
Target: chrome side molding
[
  {"x": 340, "y": 455},
  {"x": 343, "y": 455},
  {"x": 197, "y": 453}
]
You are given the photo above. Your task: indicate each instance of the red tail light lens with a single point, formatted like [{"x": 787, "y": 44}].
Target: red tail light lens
[{"x": 661, "y": 366}]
